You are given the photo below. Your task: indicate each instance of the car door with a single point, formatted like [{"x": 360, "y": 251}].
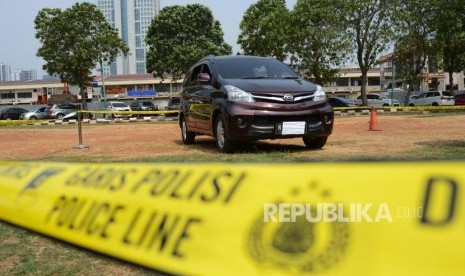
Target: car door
[
  {"x": 420, "y": 100},
  {"x": 373, "y": 100},
  {"x": 200, "y": 98}
]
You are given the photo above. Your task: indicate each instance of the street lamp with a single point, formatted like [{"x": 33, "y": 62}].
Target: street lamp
[
  {"x": 104, "y": 94},
  {"x": 393, "y": 80}
]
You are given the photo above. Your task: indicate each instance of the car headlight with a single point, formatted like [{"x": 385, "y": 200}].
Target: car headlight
[
  {"x": 320, "y": 94},
  {"x": 238, "y": 95}
]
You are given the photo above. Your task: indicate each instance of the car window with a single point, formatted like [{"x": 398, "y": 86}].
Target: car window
[
  {"x": 119, "y": 105},
  {"x": 251, "y": 68},
  {"x": 147, "y": 104},
  {"x": 195, "y": 72},
  {"x": 447, "y": 93}
]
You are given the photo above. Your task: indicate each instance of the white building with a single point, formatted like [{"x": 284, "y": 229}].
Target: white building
[
  {"x": 5, "y": 72},
  {"x": 131, "y": 18}
]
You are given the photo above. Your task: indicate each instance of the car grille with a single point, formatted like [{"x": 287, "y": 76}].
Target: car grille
[{"x": 280, "y": 98}]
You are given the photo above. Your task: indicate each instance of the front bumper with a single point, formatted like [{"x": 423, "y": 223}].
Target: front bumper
[{"x": 245, "y": 124}]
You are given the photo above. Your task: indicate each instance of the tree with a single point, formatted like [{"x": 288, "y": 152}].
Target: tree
[
  {"x": 414, "y": 22},
  {"x": 450, "y": 22},
  {"x": 318, "y": 42},
  {"x": 181, "y": 35},
  {"x": 264, "y": 29},
  {"x": 74, "y": 41},
  {"x": 369, "y": 23}
]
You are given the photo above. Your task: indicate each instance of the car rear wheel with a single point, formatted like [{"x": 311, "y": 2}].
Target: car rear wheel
[
  {"x": 32, "y": 118},
  {"x": 188, "y": 137},
  {"x": 315, "y": 142},
  {"x": 223, "y": 143}
]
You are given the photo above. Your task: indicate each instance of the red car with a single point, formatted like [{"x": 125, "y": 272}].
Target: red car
[{"x": 459, "y": 99}]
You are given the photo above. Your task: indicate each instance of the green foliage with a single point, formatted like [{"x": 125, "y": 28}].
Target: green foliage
[
  {"x": 414, "y": 25},
  {"x": 264, "y": 29},
  {"x": 369, "y": 23},
  {"x": 450, "y": 23},
  {"x": 75, "y": 40},
  {"x": 181, "y": 35},
  {"x": 318, "y": 40}
]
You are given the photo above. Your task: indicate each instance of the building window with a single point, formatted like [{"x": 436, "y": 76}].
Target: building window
[
  {"x": 140, "y": 55},
  {"x": 374, "y": 82},
  {"x": 25, "y": 95},
  {"x": 140, "y": 68},
  {"x": 10, "y": 95},
  {"x": 342, "y": 82},
  {"x": 137, "y": 15},
  {"x": 356, "y": 82}
]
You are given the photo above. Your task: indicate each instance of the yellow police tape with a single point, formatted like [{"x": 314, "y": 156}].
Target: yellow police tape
[{"x": 243, "y": 219}]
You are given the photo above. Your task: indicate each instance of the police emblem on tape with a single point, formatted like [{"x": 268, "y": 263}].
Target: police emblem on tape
[{"x": 298, "y": 245}]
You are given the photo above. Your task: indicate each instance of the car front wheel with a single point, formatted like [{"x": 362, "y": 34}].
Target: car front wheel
[
  {"x": 223, "y": 143},
  {"x": 188, "y": 137},
  {"x": 315, "y": 142}
]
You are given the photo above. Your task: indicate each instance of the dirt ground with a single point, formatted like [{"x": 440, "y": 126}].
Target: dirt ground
[{"x": 136, "y": 141}]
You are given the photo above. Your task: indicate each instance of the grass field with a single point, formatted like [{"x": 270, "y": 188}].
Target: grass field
[{"x": 403, "y": 138}]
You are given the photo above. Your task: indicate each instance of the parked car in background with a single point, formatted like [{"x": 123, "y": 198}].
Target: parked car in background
[
  {"x": 58, "y": 111},
  {"x": 12, "y": 113},
  {"x": 117, "y": 106},
  {"x": 247, "y": 98},
  {"x": 340, "y": 102},
  {"x": 143, "y": 105},
  {"x": 459, "y": 99},
  {"x": 38, "y": 113},
  {"x": 173, "y": 104},
  {"x": 377, "y": 100},
  {"x": 434, "y": 98}
]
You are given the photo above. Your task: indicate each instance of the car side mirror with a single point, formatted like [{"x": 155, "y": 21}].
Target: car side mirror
[{"x": 203, "y": 78}]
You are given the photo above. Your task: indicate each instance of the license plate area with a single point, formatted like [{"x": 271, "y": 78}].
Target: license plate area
[{"x": 290, "y": 128}]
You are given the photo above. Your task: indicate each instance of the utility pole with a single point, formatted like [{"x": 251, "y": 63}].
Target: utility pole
[
  {"x": 393, "y": 80},
  {"x": 104, "y": 93}
]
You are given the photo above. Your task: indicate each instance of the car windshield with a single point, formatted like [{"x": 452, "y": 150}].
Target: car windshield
[
  {"x": 253, "y": 68},
  {"x": 147, "y": 104},
  {"x": 119, "y": 105}
]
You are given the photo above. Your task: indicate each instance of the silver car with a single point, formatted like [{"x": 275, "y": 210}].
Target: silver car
[
  {"x": 58, "y": 111},
  {"x": 117, "y": 106},
  {"x": 434, "y": 98},
  {"x": 38, "y": 113}
]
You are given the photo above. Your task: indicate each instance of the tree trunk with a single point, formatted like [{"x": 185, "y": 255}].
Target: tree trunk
[
  {"x": 451, "y": 81},
  {"x": 84, "y": 103},
  {"x": 363, "y": 88}
]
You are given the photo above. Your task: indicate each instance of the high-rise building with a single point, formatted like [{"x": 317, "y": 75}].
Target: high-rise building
[
  {"x": 27, "y": 75},
  {"x": 5, "y": 72},
  {"x": 131, "y": 18}
]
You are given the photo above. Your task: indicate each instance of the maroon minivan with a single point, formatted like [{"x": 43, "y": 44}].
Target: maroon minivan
[{"x": 246, "y": 98}]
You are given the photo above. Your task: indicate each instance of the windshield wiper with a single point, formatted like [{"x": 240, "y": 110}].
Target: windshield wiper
[{"x": 290, "y": 78}]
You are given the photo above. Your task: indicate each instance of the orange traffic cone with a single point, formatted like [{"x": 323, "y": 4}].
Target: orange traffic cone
[{"x": 373, "y": 120}]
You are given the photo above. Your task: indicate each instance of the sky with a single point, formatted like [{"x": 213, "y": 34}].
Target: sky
[{"x": 18, "y": 45}]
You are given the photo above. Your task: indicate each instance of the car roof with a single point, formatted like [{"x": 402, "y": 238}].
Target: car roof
[{"x": 212, "y": 57}]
